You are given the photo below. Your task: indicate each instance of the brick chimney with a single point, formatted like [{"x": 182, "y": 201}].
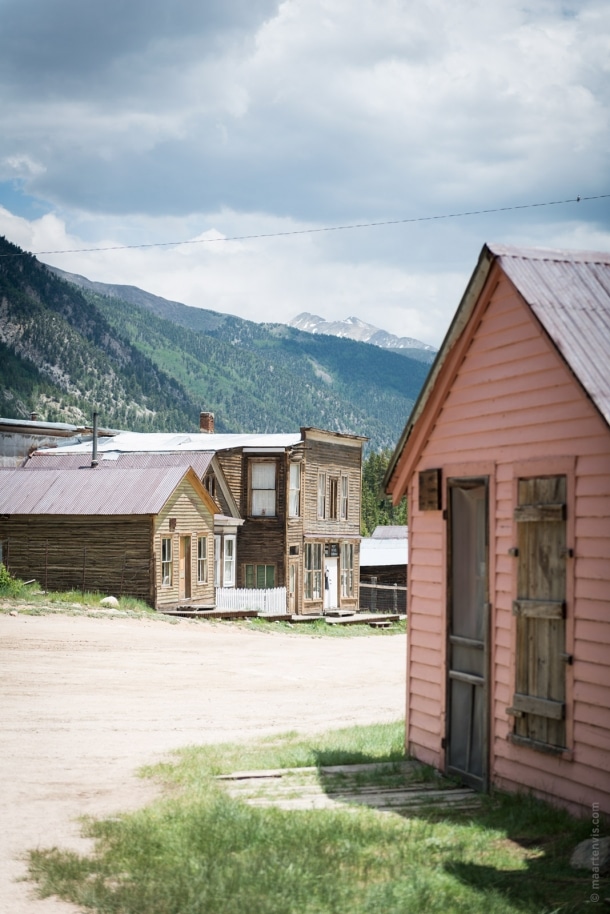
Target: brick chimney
[{"x": 206, "y": 423}]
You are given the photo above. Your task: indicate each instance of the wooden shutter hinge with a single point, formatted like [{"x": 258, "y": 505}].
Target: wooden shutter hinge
[
  {"x": 565, "y": 550},
  {"x": 514, "y": 551},
  {"x": 567, "y": 658}
]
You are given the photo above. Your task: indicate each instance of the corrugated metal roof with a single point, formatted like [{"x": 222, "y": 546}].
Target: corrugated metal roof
[
  {"x": 569, "y": 292},
  {"x": 390, "y": 532},
  {"x": 88, "y": 491},
  {"x": 159, "y": 442},
  {"x": 57, "y": 459}
]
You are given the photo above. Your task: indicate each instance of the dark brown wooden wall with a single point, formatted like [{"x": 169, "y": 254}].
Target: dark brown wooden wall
[{"x": 107, "y": 554}]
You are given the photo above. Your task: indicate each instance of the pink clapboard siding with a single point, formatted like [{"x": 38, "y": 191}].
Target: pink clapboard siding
[{"x": 505, "y": 404}]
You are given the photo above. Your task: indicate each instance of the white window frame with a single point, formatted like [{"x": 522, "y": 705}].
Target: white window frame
[
  {"x": 167, "y": 561},
  {"x": 225, "y": 559},
  {"x": 228, "y": 561},
  {"x": 347, "y": 569},
  {"x": 294, "y": 490},
  {"x": 202, "y": 559}
]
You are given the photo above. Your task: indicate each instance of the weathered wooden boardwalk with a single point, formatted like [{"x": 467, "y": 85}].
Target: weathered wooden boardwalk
[
  {"x": 193, "y": 611},
  {"x": 404, "y": 788}
]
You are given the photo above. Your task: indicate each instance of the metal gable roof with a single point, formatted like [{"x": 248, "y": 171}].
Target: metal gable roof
[
  {"x": 160, "y": 442},
  {"x": 57, "y": 458},
  {"x": 569, "y": 293},
  {"x": 88, "y": 491}
]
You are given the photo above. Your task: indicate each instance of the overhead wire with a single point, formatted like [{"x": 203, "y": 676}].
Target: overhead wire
[{"x": 311, "y": 231}]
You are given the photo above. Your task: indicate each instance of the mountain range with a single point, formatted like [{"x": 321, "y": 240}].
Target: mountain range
[
  {"x": 352, "y": 328},
  {"x": 69, "y": 346}
]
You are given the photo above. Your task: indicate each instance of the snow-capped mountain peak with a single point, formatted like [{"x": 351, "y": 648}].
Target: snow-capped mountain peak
[{"x": 354, "y": 328}]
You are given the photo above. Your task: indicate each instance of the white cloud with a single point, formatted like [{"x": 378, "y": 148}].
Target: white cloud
[{"x": 134, "y": 124}]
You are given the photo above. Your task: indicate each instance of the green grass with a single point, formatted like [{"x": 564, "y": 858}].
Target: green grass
[
  {"x": 30, "y": 599},
  {"x": 198, "y": 851},
  {"x": 319, "y": 628}
]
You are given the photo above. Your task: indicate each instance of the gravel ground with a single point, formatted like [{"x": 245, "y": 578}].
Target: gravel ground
[{"x": 85, "y": 701}]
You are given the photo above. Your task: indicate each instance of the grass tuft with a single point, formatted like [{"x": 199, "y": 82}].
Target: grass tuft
[{"x": 199, "y": 851}]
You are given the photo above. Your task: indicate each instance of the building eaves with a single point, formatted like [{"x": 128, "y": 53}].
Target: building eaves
[{"x": 152, "y": 442}]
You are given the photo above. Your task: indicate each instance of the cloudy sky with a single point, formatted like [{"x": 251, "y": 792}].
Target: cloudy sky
[{"x": 143, "y": 122}]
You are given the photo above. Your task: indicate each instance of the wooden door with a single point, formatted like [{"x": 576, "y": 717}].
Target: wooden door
[
  {"x": 185, "y": 568},
  {"x": 540, "y": 607},
  {"x": 468, "y": 623},
  {"x": 331, "y": 583}
]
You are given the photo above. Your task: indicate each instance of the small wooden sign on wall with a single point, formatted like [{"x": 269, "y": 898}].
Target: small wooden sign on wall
[{"x": 430, "y": 492}]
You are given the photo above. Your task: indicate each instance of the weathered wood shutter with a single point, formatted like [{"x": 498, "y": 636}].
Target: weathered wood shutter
[{"x": 540, "y": 607}]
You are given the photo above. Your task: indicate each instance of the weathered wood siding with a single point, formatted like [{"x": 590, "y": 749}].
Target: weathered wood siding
[
  {"x": 515, "y": 411},
  {"x": 184, "y": 515},
  {"x": 335, "y": 460},
  {"x": 231, "y": 463},
  {"x": 268, "y": 540},
  {"x": 112, "y": 555}
]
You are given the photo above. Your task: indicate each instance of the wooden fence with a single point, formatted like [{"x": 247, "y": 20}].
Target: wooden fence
[{"x": 383, "y": 598}]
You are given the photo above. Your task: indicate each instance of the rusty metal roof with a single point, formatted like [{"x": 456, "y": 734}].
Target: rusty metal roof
[
  {"x": 569, "y": 292},
  {"x": 57, "y": 459},
  {"x": 88, "y": 491}
]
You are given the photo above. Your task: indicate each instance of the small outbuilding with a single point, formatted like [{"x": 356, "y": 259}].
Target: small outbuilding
[
  {"x": 146, "y": 533},
  {"x": 505, "y": 461}
]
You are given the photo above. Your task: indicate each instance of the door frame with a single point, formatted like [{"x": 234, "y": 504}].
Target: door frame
[
  {"x": 184, "y": 567},
  {"x": 331, "y": 577},
  {"x": 479, "y": 782}
]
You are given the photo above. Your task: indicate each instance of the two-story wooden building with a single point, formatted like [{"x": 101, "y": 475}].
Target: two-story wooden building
[{"x": 289, "y": 505}]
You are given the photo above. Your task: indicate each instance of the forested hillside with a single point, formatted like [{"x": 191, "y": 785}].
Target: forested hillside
[
  {"x": 62, "y": 359},
  {"x": 153, "y": 365}
]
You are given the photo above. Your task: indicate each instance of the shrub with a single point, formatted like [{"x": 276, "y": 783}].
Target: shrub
[{"x": 9, "y": 586}]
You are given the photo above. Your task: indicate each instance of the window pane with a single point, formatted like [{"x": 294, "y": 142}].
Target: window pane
[
  {"x": 263, "y": 502},
  {"x": 166, "y": 561},
  {"x": 202, "y": 559},
  {"x": 229, "y": 562},
  {"x": 263, "y": 475},
  {"x": 294, "y": 490},
  {"x": 249, "y": 576},
  {"x": 322, "y": 495},
  {"x": 344, "y": 497}
]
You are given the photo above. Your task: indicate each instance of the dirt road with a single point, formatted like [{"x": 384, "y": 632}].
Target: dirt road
[{"x": 86, "y": 701}]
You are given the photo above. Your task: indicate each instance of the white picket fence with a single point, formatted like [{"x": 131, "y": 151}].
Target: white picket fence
[{"x": 270, "y": 602}]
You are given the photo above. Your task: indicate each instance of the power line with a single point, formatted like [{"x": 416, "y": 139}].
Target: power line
[{"x": 312, "y": 231}]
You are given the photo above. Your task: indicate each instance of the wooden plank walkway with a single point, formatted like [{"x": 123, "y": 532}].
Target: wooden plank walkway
[
  {"x": 404, "y": 788},
  {"x": 192, "y": 611}
]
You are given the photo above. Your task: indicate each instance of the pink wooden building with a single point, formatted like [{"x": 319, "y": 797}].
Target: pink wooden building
[{"x": 505, "y": 460}]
